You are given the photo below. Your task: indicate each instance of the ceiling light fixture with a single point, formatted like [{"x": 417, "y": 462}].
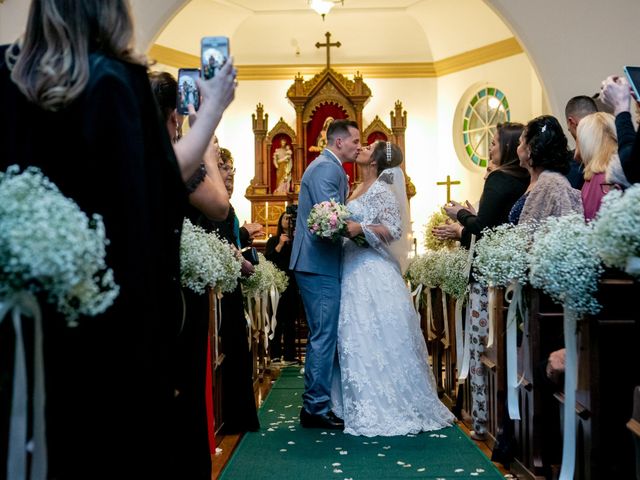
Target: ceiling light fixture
[{"x": 322, "y": 7}]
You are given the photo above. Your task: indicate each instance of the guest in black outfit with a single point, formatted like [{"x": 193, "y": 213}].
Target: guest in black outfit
[
  {"x": 503, "y": 186},
  {"x": 108, "y": 381},
  {"x": 239, "y": 413},
  {"x": 278, "y": 251},
  {"x": 207, "y": 195},
  {"x": 616, "y": 92}
]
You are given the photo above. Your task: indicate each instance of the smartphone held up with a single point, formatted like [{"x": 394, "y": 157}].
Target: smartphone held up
[
  {"x": 214, "y": 52},
  {"x": 188, "y": 93}
]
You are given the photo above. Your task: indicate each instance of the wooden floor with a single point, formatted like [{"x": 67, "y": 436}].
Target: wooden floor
[{"x": 226, "y": 444}]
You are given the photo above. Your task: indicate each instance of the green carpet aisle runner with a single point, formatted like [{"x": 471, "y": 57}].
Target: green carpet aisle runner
[{"x": 284, "y": 450}]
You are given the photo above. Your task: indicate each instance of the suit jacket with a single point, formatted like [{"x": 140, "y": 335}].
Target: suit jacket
[{"x": 323, "y": 179}]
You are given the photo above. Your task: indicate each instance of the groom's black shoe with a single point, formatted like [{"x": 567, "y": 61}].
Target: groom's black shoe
[{"x": 327, "y": 420}]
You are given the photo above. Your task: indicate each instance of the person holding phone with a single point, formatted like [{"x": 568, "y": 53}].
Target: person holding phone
[
  {"x": 278, "y": 251},
  {"x": 109, "y": 389},
  {"x": 616, "y": 92}
]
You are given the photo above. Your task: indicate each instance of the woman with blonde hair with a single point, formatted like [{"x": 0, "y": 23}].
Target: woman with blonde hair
[
  {"x": 77, "y": 103},
  {"x": 597, "y": 146}
]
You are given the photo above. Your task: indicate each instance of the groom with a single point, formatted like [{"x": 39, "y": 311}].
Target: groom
[{"x": 318, "y": 267}]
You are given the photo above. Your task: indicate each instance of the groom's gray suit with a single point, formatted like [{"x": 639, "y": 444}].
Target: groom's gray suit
[{"x": 318, "y": 266}]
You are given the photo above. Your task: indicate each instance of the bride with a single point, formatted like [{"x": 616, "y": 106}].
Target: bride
[{"x": 385, "y": 386}]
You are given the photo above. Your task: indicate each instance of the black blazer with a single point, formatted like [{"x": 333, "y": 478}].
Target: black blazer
[
  {"x": 109, "y": 389},
  {"x": 500, "y": 192},
  {"x": 628, "y": 147}
]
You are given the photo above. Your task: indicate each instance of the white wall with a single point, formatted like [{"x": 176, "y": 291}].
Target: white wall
[{"x": 574, "y": 44}]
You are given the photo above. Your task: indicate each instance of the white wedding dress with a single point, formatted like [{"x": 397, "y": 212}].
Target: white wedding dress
[{"x": 385, "y": 386}]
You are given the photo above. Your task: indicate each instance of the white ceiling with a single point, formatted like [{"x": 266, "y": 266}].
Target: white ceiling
[{"x": 264, "y": 32}]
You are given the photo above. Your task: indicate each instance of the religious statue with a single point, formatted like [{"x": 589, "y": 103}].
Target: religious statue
[
  {"x": 283, "y": 161},
  {"x": 321, "y": 142}
]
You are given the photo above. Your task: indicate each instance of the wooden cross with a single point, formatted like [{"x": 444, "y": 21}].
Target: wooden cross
[
  {"x": 448, "y": 183},
  {"x": 328, "y": 44}
]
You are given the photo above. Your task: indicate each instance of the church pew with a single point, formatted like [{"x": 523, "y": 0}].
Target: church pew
[
  {"x": 217, "y": 357},
  {"x": 634, "y": 427},
  {"x": 495, "y": 364},
  {"x": 608, "y": 374},
  {"x": 537, "y": 433},
  {"x": 450, "y": 382}
]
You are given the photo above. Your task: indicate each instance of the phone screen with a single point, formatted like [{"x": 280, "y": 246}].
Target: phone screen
[
  {"x": 633, "y": 75},
  {"x": 188, "y": 92},
  {"x": 214, "y": 52}
]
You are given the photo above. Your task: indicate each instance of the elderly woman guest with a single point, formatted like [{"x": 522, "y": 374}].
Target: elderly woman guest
[
  {"x": 109, "y": 387},
  {"x": 597, "y": 145},
  {"x": 543, "y": 152},
  {"x": 504, "y": 184}
]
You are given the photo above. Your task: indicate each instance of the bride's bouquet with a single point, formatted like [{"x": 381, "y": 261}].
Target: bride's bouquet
[
  {"x": 328, "y": 220},
  {"x": 49, "y": 246}
]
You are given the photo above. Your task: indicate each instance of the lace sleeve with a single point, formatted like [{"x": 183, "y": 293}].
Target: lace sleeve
[{"x": 382, "y": 224}]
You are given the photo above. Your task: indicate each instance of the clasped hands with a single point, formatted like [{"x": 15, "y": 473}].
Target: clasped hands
[{"x": 452, "y": 231}]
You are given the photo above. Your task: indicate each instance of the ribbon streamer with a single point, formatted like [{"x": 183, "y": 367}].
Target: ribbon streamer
[
  {"x": 463, "y": 371},
  {"x": 513, "y": 295},
  {"x": 416, "y": 294},
  {"x": 25, "y": 304},
  {"x": 568, "y": 467},
  {"x": 264, "y": 317},
  {"x": 491, "y": 296},
  {"x": 633, "y": 266},
  {"x": 445, "y": 316},
  {"x": 430, "y": 332},
  {"x": 275, "y": 300}
]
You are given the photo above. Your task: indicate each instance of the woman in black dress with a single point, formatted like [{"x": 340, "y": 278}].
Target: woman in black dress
[{"x": 76, "y": 102}]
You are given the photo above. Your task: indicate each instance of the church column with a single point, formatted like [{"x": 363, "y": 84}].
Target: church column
[
  {"x": 399, "y": 125},
  {"x": 260, "y": 127},
  {"x": 300, "y": 155}
]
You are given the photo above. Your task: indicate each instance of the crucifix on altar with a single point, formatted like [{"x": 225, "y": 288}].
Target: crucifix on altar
[
  {"x": 448, "y": 183},
  {"x": 328, "y": 44}
]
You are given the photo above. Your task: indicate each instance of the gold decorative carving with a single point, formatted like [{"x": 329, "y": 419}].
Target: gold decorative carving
[
  {"x": 472, "y": 58},
  {"x": 377, "y": 125},
  {"x": 347, "y": 87},
  {"x": 281, "y": 127}
]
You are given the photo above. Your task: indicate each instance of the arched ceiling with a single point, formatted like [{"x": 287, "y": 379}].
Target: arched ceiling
[{"x": 385, "y": 31}]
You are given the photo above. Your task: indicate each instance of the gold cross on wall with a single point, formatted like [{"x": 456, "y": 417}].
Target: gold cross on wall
[
  {"x": 328, "y": 44},
  {"x": 448, "y": 183}
]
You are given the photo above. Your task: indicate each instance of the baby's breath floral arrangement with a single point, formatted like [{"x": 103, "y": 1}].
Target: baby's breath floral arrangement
[
  {"x": 502, "y": 255},
  {"x": 564, "y": 263},
  {"x": 49, "y": 246},
  {"x": 207, "y": 261},
  {"x": 430, "y": 241},
  {"x": 453, "y": 265},
  {"x": 616, "y": 229},
  {"x": 426, "y": 269},
  {"x": 265, "y": 276}
]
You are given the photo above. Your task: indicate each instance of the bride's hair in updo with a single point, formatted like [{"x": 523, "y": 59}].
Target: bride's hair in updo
[{"x": 386, "y": 155}]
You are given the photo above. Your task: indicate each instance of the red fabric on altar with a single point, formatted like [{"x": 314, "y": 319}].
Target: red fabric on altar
[
  {"x": 276, "y": 144},
  {"x": 211, "y": 423},
  {"x": 314, "y": 127}
]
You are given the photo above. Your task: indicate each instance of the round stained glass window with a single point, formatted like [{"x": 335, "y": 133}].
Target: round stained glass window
[{"x": 485, "y": 110}]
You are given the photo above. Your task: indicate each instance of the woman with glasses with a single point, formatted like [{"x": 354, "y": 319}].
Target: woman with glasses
[
  {"x": 239, "y": 412},
  {"x": 597, "y": 145}
]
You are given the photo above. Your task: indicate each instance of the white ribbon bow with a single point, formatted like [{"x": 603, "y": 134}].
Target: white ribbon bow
[{"x": 25, "y": 304}]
